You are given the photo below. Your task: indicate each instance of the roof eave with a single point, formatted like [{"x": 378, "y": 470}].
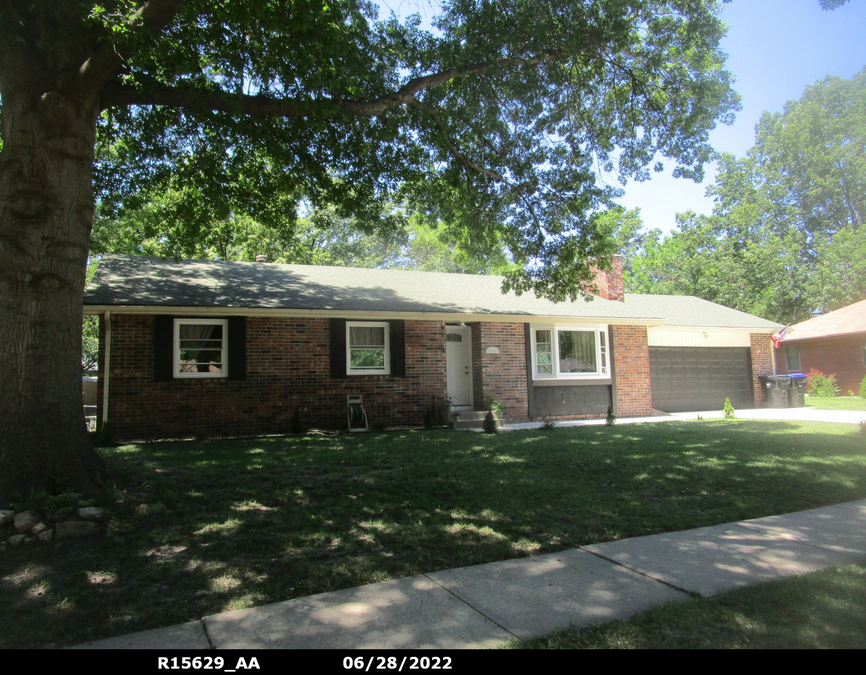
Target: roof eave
[
  {"x": 793, "y": 338},
  {"x": 90, "y": 310}
]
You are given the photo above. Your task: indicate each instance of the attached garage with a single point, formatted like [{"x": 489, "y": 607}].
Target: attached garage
[
  {"x": 698, "y": 368},
  {"x": 700, "y": 378}
]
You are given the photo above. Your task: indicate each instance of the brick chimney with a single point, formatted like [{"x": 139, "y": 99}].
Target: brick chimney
[{"x": 609, "y": 284}]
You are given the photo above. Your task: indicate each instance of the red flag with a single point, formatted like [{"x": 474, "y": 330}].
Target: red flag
[{"x": 778, "y": 337}]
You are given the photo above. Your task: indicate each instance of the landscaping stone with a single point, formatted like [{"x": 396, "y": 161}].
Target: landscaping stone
[
  {"x": 46, "y": 536},
  {"x": 6, "y": 516},
  {"x": 85, "y": 502},
  {"x": 25, "y": 520},
  {"x": 75, "y": 528},
  {"x": 63, "y": 512},
  {"x": 29, "y": 540},
  {"x": 91, "y": 513},
  {"x": 16, "y": 540},
  {"x": 149, "y": 509},
  {"x": 38, "y": 529}
]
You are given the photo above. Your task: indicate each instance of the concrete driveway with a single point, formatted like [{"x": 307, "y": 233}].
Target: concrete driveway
[{"x": 793, "y": 414}]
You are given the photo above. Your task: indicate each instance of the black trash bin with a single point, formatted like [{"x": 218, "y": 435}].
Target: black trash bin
[
  {"x": 797, "y": 390},
  {"x": 777, "y": 388}
]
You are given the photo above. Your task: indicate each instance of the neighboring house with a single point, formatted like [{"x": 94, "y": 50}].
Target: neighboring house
[
  {"x": 834, "y": 343},
  {"x": 234, "y": 348}
]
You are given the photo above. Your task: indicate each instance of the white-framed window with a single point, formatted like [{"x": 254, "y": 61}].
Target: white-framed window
[
  {"x": 201, "y": 347},
  {"x": 561, "y": 352},
  {"x": 368, "y": 348}
]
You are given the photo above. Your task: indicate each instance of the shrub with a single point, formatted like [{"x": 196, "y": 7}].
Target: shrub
[
  {"x": 610, "y": 420},
  {"x": 863, "y": 388},
  {"x": 490, "y": 423},
  {"x": 820, "y": 385},
  {"x": 548, "y": 423},
  {"x": 494, "y": 406},
  {"x": 728, "y": 409}
]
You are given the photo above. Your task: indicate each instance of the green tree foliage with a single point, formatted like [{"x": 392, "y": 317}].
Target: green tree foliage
[
  {"x": 629, "y": 235},
  {"x": 786, "y": 236},
  {"x": 491, "y": 127},
  {"x": 320, "y": 238},
  {"x": 812, "y": 160}
]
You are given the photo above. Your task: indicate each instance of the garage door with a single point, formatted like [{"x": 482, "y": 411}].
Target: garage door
[{"x": 700, "y": 378}]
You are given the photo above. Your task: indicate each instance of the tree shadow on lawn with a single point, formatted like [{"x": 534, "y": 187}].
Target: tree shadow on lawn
[{"x": 260, "y": 520}]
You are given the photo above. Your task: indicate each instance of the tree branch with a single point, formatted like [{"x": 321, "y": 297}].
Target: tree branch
[
  {"x": 107, "y": 59},
  {"x": 467, "y": 163},
  {"x": 266, "y": 106}
]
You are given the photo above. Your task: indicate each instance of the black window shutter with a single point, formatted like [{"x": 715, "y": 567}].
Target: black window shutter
[
  {"x": 398, "y": 348},
  {"x": 163, "y": 347},
  {"x": 338, "y": 348},
  {"x": 237, "y": 360}
]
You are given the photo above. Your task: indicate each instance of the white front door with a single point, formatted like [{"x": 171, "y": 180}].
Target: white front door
[{"x": 458, "y": 360}]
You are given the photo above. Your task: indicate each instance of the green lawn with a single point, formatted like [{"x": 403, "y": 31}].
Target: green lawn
[
  {"x": 837, "y": 403},
  {"x": 822, "y": 610},
  {"x": 256, "y": 521}
]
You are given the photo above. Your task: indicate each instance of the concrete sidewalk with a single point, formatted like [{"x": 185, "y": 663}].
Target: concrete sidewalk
[{"x": 486, "y": 605}]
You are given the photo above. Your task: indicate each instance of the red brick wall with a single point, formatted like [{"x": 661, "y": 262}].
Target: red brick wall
[
  {"x": 632, "y": 370},
  {"x": 502, "y": 375},
  {"x": 839, "y": 356},
  {"x": 477, "y": 372},
  {"x": 288, "y": 366},
  {"x": 762, "y": 364}
]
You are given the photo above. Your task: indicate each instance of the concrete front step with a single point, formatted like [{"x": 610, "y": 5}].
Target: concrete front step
[{"x": 472, "y": 419}]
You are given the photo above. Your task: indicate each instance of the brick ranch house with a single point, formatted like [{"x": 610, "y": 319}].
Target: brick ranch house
[
  {"x": 203, "y": 347},
  {"x": 834, "y": 343}
]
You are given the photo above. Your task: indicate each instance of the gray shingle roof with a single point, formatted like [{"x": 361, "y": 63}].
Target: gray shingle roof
[
  {"x": 689, "y": 311},
  {"x": 137, "y": 281}
]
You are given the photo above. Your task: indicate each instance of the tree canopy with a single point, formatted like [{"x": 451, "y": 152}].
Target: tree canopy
[
  {"x": 497, "y": 123},
  {"x": 786, "y": 238}
]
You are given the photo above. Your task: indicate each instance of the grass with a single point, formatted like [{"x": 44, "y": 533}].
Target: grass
[
  {"x": 822, "y": 610},
  {"x": 256, "y": 521},
  {"x": 837, "y": 403}
]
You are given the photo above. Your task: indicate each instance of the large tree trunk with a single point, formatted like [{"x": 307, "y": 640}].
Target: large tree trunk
[{"x": 46, "y": 205}]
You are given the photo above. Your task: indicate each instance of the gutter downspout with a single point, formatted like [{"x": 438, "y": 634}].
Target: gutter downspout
[{"x": 106, "y": 367}]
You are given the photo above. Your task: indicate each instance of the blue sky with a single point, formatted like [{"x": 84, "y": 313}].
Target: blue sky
[{"x": 776, "y": 48}]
